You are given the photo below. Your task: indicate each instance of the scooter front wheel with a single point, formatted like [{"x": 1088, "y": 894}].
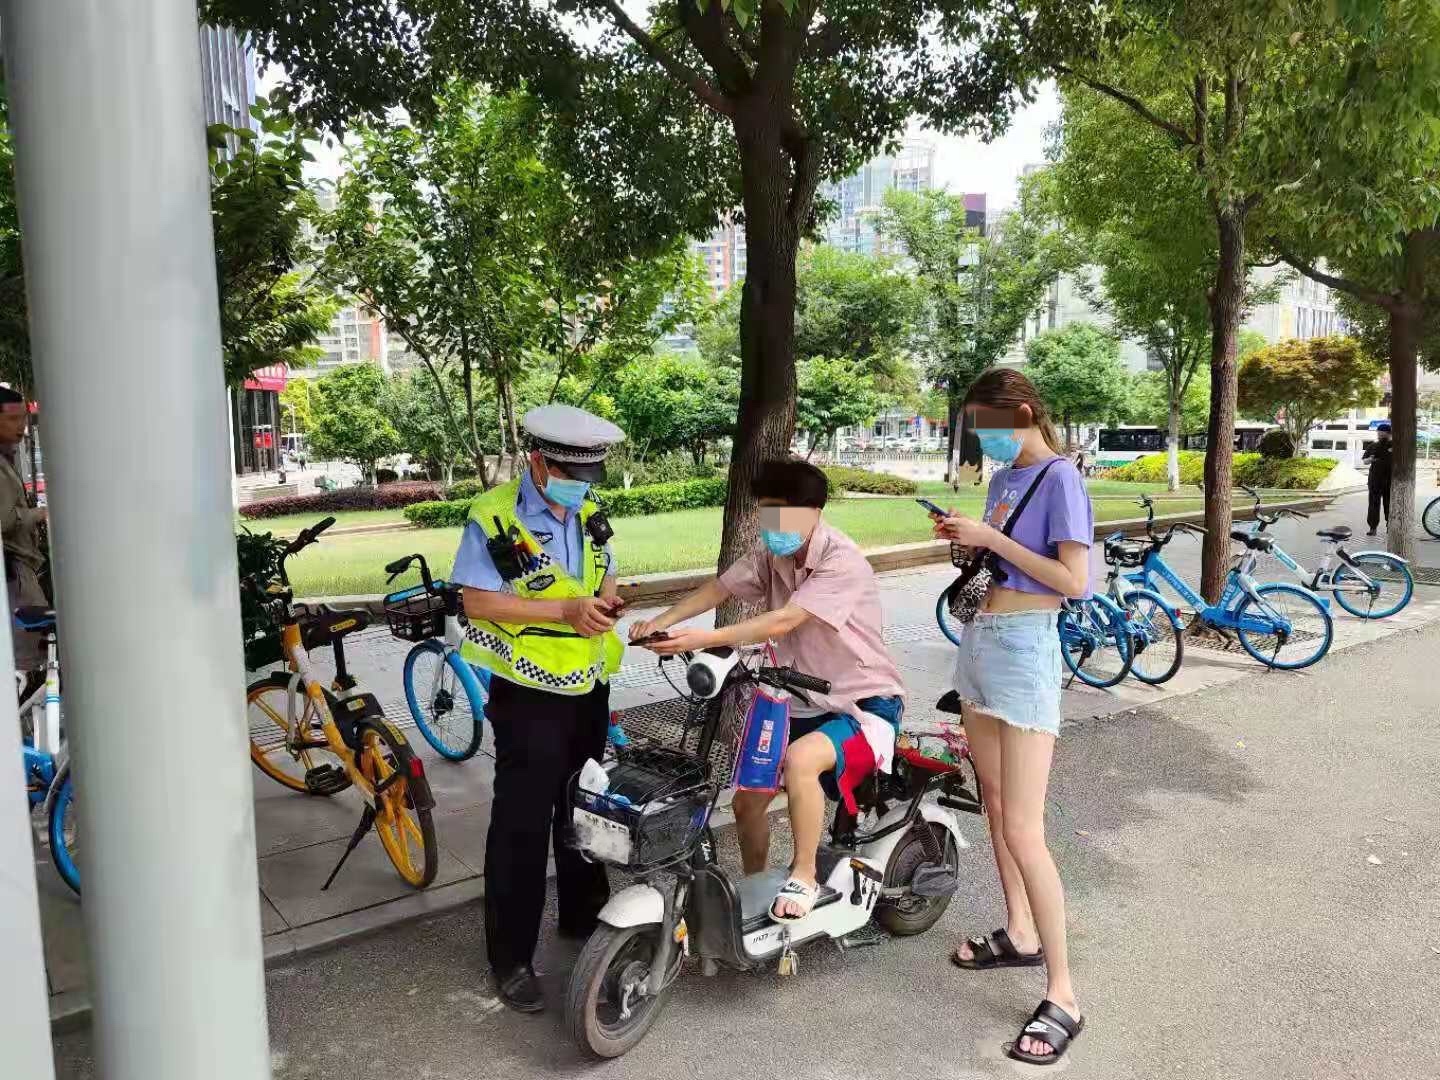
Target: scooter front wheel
[{"x": 605, "y": 1006}]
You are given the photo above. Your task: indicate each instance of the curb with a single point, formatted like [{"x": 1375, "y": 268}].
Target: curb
[{"x": 654, "y": 590}]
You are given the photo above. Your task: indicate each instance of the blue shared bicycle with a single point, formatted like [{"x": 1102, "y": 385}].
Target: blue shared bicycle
[
  {"x": 45, "y": 756},
  {"x": 1282, "y": 626}
]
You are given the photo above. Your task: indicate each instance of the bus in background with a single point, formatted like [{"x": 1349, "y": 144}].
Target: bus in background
[{"x": 1121, "y": 445}]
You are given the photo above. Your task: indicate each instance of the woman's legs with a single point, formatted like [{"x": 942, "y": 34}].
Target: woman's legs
[
  {"x": 983, "y": 731},
  {"x": 1025, "y": 773}
]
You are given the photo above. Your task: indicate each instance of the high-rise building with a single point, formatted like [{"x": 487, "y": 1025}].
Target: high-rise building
[
  {"x": 724, "y": 256},
  {"x": 227, "y": 72},
  {"x": 860, "y": 197}
]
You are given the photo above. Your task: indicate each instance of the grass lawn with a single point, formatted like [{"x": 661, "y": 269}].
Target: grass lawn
[
  {"x": 681, "y": 540},
  {"x": 1099, "y": 489},
  {"x": 290, "y": 524}
]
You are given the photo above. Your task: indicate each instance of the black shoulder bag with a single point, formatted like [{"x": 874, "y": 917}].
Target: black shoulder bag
[{"x": 967, "y": 592}]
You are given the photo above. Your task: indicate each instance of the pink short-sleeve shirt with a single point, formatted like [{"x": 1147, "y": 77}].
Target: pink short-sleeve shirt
[{"x": 843, "y": 641}]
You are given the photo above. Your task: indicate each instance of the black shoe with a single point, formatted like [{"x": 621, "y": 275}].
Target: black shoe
[
  {"x": 1372, "y": 532},
  {"x": 520, "y": 990}
]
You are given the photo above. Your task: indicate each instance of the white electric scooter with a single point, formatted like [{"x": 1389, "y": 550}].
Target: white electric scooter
[{"x": 897, "y": 860}]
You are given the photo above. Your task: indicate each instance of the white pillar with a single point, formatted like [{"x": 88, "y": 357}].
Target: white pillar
[
  {"x": 114, "y": 200},
  {"x": 24, "y": 996}
]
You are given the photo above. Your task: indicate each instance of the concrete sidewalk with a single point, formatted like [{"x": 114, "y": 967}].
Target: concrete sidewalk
[{"x": 300, "y": 839}]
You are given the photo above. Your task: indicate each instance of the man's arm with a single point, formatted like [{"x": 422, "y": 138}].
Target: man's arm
[
  {"x": 586, "y": 614},
  {"x": 772, "y": 624},
  {"x": 703, "y": 599}
]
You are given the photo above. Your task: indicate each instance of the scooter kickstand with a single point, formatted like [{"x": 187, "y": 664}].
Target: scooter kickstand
[{"x": 789, "y": 961}]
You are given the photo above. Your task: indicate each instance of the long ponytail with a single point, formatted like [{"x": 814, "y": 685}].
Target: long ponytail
[{"x": 1007, "y": 388}]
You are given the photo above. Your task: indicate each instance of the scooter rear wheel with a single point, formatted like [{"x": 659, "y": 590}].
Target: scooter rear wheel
[
  {"x": 614, "y": 959},
  {"x": 909, "y": 915}
]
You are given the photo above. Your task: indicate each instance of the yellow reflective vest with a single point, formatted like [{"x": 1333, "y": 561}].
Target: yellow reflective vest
[{"x": 546, "y": 656}]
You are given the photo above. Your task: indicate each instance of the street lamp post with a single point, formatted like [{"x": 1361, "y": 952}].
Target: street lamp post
[{"x": 114, "y": 202}]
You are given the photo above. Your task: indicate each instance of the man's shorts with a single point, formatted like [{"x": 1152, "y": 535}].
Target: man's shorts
[{"x": 854, "y": 757}]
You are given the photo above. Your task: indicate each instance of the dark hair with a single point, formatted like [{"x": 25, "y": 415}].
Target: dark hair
[
  {"x": 793, "y": 482},
  {"x": 1004, "y": 387},
  {"x": 10, "y": 396}
]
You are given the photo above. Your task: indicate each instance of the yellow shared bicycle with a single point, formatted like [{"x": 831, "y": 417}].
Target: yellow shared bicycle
[{"x": 320, "y": 740}]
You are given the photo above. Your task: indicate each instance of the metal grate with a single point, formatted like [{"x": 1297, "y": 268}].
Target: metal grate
[{"x": 662, "y": 722}]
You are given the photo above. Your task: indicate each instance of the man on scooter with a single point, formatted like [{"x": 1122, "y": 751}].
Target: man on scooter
[{"x": 823, "y": 614}]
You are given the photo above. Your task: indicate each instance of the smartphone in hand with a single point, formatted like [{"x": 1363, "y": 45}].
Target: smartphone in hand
[{"x": 932, "y": 508}]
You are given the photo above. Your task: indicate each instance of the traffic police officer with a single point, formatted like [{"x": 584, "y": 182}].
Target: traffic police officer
[{"x": 539, "y": 591}]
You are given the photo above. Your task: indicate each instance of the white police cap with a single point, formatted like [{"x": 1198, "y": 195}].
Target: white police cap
[{"x": 572, "y": 438}]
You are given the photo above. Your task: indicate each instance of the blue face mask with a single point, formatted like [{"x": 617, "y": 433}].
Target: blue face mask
[
  {"x": 567, "y": 493},
  {"x": 999, "y": 444},
  {"x": 782, "y": 543}
]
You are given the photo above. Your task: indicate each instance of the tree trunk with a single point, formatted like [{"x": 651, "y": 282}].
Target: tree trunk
[
  {"x": 766, "y": 421},
  {"x": 1405, "y": 319},
  {"x": 1227, "y": 299},
  {"x": 1172, "y": 443},
  {"x": 952, "y": 423}
]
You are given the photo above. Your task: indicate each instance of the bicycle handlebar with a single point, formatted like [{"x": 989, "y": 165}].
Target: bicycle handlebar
[{"x": 399, "y": 566}]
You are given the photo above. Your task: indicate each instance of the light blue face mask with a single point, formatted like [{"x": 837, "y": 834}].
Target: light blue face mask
[
  {"x": 999, "y": 444},
  {"x": 567, "y": 493},
  {"x": 782, "y": 543}
]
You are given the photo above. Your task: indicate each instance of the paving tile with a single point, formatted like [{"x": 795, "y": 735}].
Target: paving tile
[
  {"x": 286, "y": 820},
  {"x": 291, "y": 880},
  {"x": 271, "y": 921},
  {"x": 62, "y": 930},
  {"x": 462, "y": 833}
]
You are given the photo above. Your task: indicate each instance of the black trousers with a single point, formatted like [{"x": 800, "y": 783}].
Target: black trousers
[
  {"x": 1378, "y": 495},
  {"x": 541, "y": 740}
]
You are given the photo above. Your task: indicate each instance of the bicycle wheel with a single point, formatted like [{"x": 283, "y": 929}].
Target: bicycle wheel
[
  {"x": 1094, "y": 641},
  {"x": 1309, "y": 628},
  {"x": 1392, "y": 585},
  {"x": 406, "y": 831},
  {"x": 1430, "y": 519},
  {"x": 948, "y": 626},
  {"x": 64, "y": 830},
  {"x": 268, "y": 706},
  {"x": 445, "y": 699},
  {"x": 1155, "y": 632}
]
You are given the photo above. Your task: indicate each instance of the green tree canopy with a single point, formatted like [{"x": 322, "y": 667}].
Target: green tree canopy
[
  {"x": 1150, "y": 403},
  {"x": 270, "y": 313},
  {"x": 1297, "y": 382},
  {"x": 676, "y": 402},
  {"x": 349, "y": 418},
  {"x": 1078, "y": 372},
  {"x": 980, "y": 288},
  {"x": 697, "y": 110},
  {"x": 835, "y": 393}
]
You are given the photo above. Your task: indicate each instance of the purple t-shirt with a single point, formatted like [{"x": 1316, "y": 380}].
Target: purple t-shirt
[{"x": 1058, "y": 511}]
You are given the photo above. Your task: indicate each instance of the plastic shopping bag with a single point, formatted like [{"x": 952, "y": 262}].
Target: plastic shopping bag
[{"x": 762, "y": 745}]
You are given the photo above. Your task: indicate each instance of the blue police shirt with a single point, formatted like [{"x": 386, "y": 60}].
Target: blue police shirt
[{"x": 563, "y": 541}]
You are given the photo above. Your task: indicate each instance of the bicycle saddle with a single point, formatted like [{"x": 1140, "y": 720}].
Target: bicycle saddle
[
  {"x": 1254, "y": 543},
  {"x": 34, "y": 618},
  {"x": 325, "y": 624},
  {"x": 1339, "y": 532}
]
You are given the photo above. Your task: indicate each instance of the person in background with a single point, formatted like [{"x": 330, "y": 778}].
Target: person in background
[
  {"x": 539, "y": 590},
  {"x": 1008, "y": 680},
  {"x": 20, "y": 526},
  {"x": 1378, "y": 454}
]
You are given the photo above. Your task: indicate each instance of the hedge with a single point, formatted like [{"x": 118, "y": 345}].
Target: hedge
[
  {"x": 634, "y": 502},
  {"x": 1295, "y": 474},
  {"x": 385, "y": 497},
  {"x": 465, "y": 489},
  {"x": 842, "y": 479}
]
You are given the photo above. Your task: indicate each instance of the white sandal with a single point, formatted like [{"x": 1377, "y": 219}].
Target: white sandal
[{"x": 798, "y": 893}]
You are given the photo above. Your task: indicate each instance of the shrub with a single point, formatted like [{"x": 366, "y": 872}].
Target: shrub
[
  {"x": 465, "y": 489},
  {"x": 637, "y": 501},
  {"x": 1294, "y": 474},
  {"x": 438, "y": 515},
  {"x": 843, "y": 479},
  {"x": 1277, "y": 443},
  {"x": 388, "y": 497},
  {"x": 1290, "y": 474}
]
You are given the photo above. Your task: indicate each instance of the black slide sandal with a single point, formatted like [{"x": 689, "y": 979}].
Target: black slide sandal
[
  {"x": 1052, "y": 1025},
  {"x": 996, "y": 951}
]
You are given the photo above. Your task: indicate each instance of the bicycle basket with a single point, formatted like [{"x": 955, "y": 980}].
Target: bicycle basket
[
  {"x": 1126, "y": 552},
  {"x": 415, "y": 614},
  {"x": 652, "y": 813}
]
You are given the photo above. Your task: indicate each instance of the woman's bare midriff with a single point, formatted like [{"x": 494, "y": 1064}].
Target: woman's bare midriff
[{"x": 1000, "y": 600}]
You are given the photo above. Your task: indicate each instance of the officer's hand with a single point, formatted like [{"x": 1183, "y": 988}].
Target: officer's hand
[
  {"x": 643, "y": 628},
  {"x": 589, "y": 615}
]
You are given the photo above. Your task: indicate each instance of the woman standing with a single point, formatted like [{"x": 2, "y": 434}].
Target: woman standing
[{"x": 1008, "y": 678}]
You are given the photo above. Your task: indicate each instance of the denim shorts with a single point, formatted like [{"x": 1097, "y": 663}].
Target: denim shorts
[{"x": 1009, "y": 667}]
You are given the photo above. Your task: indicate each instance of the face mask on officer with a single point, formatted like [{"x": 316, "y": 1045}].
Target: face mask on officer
[{"x": 557, "y": 487}]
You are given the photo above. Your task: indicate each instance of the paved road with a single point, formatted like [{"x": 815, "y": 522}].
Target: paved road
[{"x": 1254, "y": 878}]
